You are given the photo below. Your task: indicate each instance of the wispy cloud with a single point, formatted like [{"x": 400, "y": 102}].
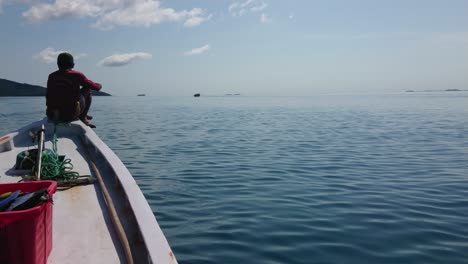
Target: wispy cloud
[
  {"x": 240, "y": 8},
  {"x": 43, "y": 11},
  {"x": 291, "y": 16},
  {"x": 49, "y": 55},
  {"x": 111, "y": 13},
  {"x": 265, "y": 19},
  {"x": 259, "y": 8},
  {"x": 148, "y": 13},
  {"x": 121, "y": 59},
  {"x": 197, "y": 20},
  {"x": 197, "y": 51}
]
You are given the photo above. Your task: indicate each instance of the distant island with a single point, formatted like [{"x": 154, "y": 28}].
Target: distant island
[
  {"x": 453, "y": 90},
  {"x": 447, "y": 90},
  {"x": 11, "y": 88}
]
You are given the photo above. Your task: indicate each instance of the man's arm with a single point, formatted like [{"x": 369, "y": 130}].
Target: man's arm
[{"x": 87, "y": 83}]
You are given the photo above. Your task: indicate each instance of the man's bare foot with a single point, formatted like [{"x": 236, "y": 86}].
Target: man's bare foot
[
  {"x": 91, "y": 125},
  {"x": 86, "y": 122}
]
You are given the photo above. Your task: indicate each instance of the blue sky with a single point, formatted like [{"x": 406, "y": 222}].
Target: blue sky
[{"x": 252, "y": 47}]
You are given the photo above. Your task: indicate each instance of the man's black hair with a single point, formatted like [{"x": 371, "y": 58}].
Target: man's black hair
[{"x": 65, "y": 61}]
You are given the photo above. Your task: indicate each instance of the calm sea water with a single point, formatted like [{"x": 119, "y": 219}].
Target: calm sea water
[{"x": 326, "y": 179}]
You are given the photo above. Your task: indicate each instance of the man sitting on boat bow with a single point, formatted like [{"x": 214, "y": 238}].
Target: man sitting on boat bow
[{"x": 64, "y": 99}]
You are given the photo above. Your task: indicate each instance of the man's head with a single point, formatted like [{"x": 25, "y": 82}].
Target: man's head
[{"x": 65, "y": 61}]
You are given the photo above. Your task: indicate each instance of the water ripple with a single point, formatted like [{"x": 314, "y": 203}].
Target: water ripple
[{"x": 297, "y": 180}]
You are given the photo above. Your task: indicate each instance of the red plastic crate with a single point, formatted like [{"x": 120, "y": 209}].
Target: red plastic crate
[{"x": 26, "y": 235}]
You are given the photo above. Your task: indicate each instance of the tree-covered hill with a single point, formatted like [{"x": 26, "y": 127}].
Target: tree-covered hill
[{"x": 10, "y": 88}]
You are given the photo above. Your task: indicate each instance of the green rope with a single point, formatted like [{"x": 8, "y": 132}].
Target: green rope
[{"x": 55, "y": 168}]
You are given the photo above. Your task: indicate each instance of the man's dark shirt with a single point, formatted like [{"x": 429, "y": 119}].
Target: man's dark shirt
[{"x": 63, "y": 93}]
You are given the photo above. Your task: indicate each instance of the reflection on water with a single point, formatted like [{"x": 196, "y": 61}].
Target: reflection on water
[{"x": 328, "y": 179}]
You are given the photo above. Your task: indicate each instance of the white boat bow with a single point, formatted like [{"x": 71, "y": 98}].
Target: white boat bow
[{"x": 82, "y": 229}]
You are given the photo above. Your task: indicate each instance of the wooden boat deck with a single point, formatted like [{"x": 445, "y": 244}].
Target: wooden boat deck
[{"x": 82, "y": 228}]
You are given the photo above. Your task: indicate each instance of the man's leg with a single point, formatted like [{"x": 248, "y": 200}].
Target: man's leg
[{"x": 85, "y": 103}]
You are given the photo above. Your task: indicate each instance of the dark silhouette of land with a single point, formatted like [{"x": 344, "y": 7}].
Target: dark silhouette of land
[
  {"x": 11, "y": 88},
  {"x": 446, "y": 90}
]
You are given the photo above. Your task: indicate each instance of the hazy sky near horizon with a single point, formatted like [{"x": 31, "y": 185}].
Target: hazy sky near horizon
[{"x": 252, "y": 47}]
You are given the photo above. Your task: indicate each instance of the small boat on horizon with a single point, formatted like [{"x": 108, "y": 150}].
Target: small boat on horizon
[
  {"x": 84, "y": 224},
  {"x": 141, "y": 94}
]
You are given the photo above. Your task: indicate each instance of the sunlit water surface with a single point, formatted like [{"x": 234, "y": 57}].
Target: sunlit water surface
[{"x": 326, "y": 179}]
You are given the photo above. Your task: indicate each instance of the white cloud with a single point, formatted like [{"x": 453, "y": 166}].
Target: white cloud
[
  {"x": 259, "y": 7},
  {"x": 149, "y": 12},
  {"x": 197, "y": 51},
  {"x": 264, "y": 18},
  {"x": 61, "y": 8},
  {"x": 239, "y": 8},
  {"x": 196, "y": 20},
  {"x": 116, "y": 60},
  {"x": 246, "y": 3},
  {"x": 49, "y": 55},
  {"x": 111, "y": 13}
]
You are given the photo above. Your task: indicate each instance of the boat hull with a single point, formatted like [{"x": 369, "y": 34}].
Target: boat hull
[{"x": 83, "y": 231}]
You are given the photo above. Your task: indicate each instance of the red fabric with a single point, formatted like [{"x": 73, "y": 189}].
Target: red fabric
[{"x": 63, "y": 92}]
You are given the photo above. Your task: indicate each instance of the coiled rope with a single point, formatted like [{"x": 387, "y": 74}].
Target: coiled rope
[{"x": 54, "y": 167}]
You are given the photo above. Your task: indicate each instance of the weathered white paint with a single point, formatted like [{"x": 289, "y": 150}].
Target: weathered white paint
[{"x": 82, "y": 230}]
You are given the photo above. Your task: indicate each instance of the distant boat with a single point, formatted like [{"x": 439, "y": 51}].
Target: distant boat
[
  {"x": 141, "y": 94},
  {"x": 196, "y": 95}
]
